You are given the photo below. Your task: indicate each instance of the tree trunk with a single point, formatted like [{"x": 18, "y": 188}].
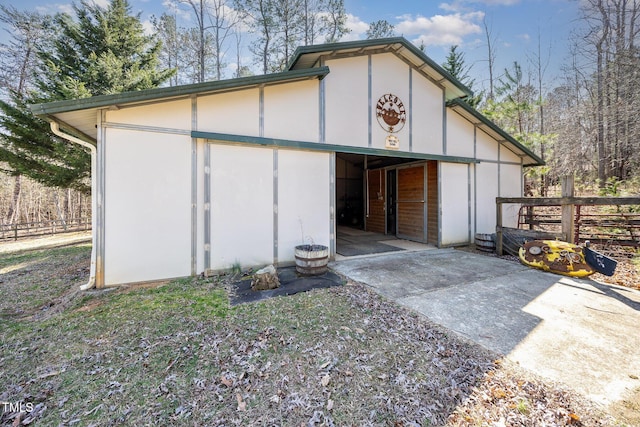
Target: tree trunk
[{"x": 14, "y": 209}]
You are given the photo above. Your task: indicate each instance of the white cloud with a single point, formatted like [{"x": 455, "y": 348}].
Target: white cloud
[
  {"x": 102, "y": 3},
  {"x": 440, "y": 30},
  {"x": 357, "y": 26},
  {"x": 147, "y": 26},
  {"x": 464, "y": 5}
]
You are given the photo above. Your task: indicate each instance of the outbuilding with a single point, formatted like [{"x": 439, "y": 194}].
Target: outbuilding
[{"x": 367, "y": 134}]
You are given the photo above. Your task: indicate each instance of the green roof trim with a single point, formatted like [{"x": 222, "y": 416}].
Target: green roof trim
[
  {"x": 319, "y": 146},
  {"x": 485, "y": 121},
  {"x": 102, "y": 101},
  {"x": 362, "y": 44}
]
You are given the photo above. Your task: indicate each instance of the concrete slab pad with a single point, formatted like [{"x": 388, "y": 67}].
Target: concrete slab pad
[{"x": 578, "y": 332}]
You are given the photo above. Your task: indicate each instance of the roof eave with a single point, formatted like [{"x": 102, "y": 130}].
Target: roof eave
[
  {"x": 103, "y": 101},
  {"x": 484, "y": 121}
]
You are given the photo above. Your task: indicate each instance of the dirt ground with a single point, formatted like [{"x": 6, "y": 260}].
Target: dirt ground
[{"x": 177, "y": 353}]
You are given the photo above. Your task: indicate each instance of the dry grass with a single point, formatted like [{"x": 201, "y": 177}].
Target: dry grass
[{"x": 178, "y": 354}]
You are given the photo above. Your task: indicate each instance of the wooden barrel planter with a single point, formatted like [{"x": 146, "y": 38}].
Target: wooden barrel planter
[
  {"x": 486, "y": 242},
  {"x": 311, "y": 260}
]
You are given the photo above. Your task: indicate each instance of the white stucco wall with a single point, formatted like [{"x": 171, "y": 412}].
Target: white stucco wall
[
  {"x": 303, "y": 200},
  {"x": 510, "y": 186},
  {"x": 171, "y": 115},
  {"x": 486, "y": 147},
  {"x": 291, "y": 111},
  {"x": 346, "y": 109},
  {"x": 454, "y": 196},
  {"x": 235, "y": 112},
  {"x": 426, "y": 124},
  {"x": 486, "y": 193},
  {"x": 460, "y": 136},
  {"x": 389, "y": 75},
  {"x": 147, "y": 206},
  {"x": 241, "y": 206},
  {"x": 509, "y": 156}
]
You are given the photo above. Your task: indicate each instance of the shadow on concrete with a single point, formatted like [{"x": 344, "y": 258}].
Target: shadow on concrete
[
  {"x": 614, "y": 292},
  {"x": 575, "y": 331}
]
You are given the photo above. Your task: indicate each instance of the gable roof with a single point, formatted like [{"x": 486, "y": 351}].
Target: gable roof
[
  {"x": 529, "y": 158},
  {"x": 306, "y": 57}
]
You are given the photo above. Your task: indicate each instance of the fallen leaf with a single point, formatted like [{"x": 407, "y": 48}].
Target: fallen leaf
[
  {"x": 574, "y": 419},
  {"x": 325, "y": 380},
  {"x": 226, "y": 381},
  {"x": 359, "y": 330},
  {"x": 329, "y": 404},
  {"x": 325, "y": 364},
  {"x": 242, "y": 405}
]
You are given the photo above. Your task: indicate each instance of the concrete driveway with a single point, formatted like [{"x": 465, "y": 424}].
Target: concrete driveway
[{"x": 578, "y": 332}]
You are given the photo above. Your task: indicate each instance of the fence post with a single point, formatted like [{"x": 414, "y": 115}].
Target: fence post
[{"x": 568, "y": 217}]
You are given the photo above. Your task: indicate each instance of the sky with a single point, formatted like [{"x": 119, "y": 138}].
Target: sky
[{"x": 517, "y": 28}]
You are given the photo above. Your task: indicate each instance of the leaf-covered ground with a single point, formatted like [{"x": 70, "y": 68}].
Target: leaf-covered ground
[{"x": 178, "y": 354}]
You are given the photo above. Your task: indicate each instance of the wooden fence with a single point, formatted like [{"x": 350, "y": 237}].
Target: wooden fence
[
  {"x": 578, "y": 219},
  {"x": 42, "y": 228}
]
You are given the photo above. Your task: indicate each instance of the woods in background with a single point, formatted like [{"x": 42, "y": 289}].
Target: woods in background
[{"x": 582, "y": 123}]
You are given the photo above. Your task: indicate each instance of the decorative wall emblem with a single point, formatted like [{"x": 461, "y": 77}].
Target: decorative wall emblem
[{"x": 390, "y": 113}]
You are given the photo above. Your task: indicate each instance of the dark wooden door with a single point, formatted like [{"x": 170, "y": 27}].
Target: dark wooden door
[
  {"x": 375, "y": 209},
  {"x": 411, "y": 203}
]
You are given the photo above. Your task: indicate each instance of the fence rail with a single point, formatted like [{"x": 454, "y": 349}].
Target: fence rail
[
  {"x": 578, "y": 218},
  {"x": 43, "y": 228}
]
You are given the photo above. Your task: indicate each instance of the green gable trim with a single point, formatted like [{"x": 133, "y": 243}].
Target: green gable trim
[
  {"x": 317, "y": 146},
  {"x": 103, "y": 101},
  {"x": 485, "y": 121},
  {"x": 363, "y": 44}
]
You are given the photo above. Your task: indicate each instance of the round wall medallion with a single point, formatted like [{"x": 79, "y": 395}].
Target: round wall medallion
[{"x": 390, "y": 113}]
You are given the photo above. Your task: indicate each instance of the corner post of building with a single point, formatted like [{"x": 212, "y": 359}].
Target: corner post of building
[
  {"x": 568, "y": 217},
  {"x": 498, "y": 226}
]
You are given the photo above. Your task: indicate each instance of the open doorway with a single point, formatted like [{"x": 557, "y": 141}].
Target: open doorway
[{"x": 381, "y": 203}]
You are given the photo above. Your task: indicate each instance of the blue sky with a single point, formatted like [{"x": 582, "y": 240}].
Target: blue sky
[{"x": 517, "y": 27}]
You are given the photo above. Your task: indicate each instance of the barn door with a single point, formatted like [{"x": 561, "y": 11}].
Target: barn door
[
  {"x": 411, "y": 199},
  {"x": 375, "y": 209}
]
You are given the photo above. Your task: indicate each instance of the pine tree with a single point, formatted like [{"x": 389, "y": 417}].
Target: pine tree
[
  {"x": 456, "y": 66},
  {"x": 103, "y": 51},
  {"x": 28, "y": 148},
  {"x": 380, "y": 29}
]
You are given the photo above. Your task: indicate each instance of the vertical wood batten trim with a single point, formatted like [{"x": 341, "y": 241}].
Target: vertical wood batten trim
[
  {"x": 322, "y": 108},
  {"x": 444, "y": 124},
  {"x": 207, "y": 205},
  {"x": 194, "y": 188},
  {"x": 208, "y": 188},
  {"x": 475, "y": 180},
  {"x": 275, "y": 207},
  {"x": 439, "y": 204},
  {"x": 261, "y": 112},
  {"x": 100, "y": 200},
  {"x": 469, "y": 202},
  {"x": 411, "y": 110},
  {"x": 369, "y": 105},
  {"x": 332, "y": 204}
]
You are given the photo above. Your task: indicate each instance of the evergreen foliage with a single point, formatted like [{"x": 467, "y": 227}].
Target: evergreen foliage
[
  {"x": 456, "y": 66},
  {"x": 103, "y": 51},
  {"x": 28, "y": 148},
  {"x": 380, "y": 29}
]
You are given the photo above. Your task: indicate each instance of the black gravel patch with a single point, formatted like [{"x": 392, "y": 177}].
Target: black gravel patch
[{"x": 291, "y": 282}]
